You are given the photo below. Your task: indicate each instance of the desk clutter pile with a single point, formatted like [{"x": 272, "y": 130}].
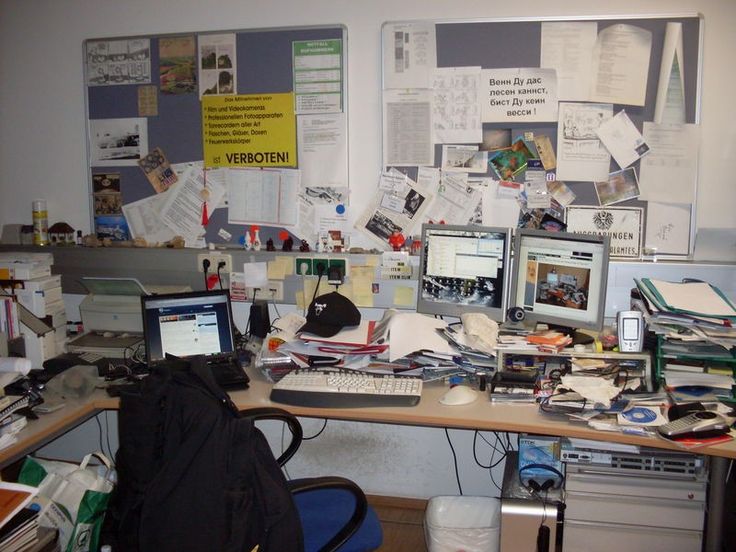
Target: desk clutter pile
[{"x": 608, "y": 391}]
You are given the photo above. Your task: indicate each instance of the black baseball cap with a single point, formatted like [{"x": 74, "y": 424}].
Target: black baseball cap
[{"x": 330, "y": 313}]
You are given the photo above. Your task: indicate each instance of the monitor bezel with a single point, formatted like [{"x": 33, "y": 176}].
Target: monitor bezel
[
  {"x": 218, "y": 293},
  {"x": 448, "y": 309},
  {"x": 545, "y": 318}
]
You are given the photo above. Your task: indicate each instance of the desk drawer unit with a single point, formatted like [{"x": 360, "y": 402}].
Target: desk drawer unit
[{"x": 632, "y": 511}]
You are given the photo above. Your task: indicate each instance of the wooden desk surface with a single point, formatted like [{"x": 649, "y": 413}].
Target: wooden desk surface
[{"x": 429, "y": 412}]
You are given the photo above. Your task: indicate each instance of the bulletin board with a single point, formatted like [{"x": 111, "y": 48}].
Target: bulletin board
[
  {"x": 144, "y": 102},
  {"x": 517, "y": 43}
]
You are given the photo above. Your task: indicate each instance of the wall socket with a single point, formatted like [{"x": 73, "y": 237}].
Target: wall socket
[
  {"x": 214, "y": 259},
  {"x": 265, "y": 293}
]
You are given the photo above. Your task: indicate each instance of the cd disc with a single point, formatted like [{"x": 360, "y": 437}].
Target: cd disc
[{"x": 639, "y": 415}]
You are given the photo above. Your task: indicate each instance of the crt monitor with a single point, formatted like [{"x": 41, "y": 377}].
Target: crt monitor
[
  {"x": 560, "y": 278},
  {"x": 463, "y": 269}
]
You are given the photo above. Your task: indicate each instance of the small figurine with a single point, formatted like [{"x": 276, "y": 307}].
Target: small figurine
[
  {"x": 396, "y": 240},
  {"x": 288, "y": 244},
  {"x": 304, "y": 247},
  {"x": 269, "y": 245},
  {"x": 255, "y": 237}
]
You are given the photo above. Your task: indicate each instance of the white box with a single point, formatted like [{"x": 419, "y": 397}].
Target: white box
[
  {"x": 41, "y": 303},
  {"x": 38, "y": 348}
]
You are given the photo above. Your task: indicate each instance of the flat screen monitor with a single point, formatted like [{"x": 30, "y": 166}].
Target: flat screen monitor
[
  {"x": 560, "y": 278},
  {"x": 463, "y": 269}
]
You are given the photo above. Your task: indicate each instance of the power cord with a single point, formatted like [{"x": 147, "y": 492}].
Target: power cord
[
  {"x": 454, "y": 460},
  {"x": 206, "y": 270},
  {"x": 220, "y": 266}
]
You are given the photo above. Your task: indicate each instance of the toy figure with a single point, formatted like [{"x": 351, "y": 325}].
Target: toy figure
[{"x": 396, "y": 240}]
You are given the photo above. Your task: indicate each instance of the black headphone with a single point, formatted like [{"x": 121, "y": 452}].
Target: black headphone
[{"x": 534, "y": 486}]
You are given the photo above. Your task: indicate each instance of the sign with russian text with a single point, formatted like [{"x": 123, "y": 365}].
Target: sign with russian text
[
  {"x": 518, "y": 95},
  {"x": 254, "y": 130},
  {"x": 622, "y": 224}
]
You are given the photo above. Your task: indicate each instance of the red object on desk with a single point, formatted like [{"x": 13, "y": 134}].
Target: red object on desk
[{"x": 396, "y": 240}]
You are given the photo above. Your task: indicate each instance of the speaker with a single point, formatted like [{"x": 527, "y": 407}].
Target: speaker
[{"x": 260, "y": 322}]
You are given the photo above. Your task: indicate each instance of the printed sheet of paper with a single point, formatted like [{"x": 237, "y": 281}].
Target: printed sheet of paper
[
  {"x": 668, "y": 228},
  {"x": 115, "y": 62},
  {"x": 622, "y": 139},
  {"x": 407, "y": 128},
  {"x": 144, "y": 219},
  {"x": 400, "y": 210},
  {"x": 499, "y": 211},
  {"x": 621, "y": 65},
  {"x": 323, "y": 150},
  {"x": 518, "y": 95},
  {"x": 462, "y": 158},
  {"x": 218, "y": 66},
  {"x": 318, "y": 76},
  {"x": 670, "y": 104},
  {"x": 454, "y": 200},
  {"x": 263, "y": 196},
  {"x": 566, "y": 47},
  {"x": 409, "y": 54},
  {"x": 670, "y": 170},
  {"x": 182, "y": 211},
  {"x": 580, "y": 154},
  {"x": 456, "y": 105}
]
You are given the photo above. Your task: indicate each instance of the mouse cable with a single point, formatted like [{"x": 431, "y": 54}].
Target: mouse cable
[{"x": 454, "y": 460}]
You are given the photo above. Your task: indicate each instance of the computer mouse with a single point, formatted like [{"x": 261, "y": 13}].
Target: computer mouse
[{"x": 458, "y": 395}]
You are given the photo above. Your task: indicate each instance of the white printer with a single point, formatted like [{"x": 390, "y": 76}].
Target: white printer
[{"x": 111, "y": 315}]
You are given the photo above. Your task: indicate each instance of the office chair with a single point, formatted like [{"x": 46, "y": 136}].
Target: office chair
[{"x": 334, "y": 512}]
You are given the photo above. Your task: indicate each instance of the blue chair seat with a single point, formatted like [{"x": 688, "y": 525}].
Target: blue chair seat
[{"x": 324, "y": 512}]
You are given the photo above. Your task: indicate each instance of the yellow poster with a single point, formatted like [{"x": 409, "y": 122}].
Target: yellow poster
[{"x": 254, "y": 130}]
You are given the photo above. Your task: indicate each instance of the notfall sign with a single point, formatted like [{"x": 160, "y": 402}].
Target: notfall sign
[{"x": 253, "y": 130}]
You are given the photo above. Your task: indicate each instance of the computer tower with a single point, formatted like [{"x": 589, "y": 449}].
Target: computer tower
[{"x": 530, "y": 522}]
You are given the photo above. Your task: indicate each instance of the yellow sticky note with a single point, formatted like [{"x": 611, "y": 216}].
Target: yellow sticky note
[
  {"x": 403, "y": 296},
  {"x": 275, "y": 270}
]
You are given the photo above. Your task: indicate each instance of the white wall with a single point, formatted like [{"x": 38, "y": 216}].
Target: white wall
[{"x": 42, "y": 132}]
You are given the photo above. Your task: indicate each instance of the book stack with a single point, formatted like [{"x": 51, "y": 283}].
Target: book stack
[
  {"x": 38, "y": 293},
  {"x": 549, "y": 341},
  {"x": 9, "y": 322},
  {"x": 19, "y": 528}
]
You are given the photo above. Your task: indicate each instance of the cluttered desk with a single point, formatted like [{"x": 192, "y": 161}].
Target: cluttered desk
[{"x": 414, "y": 369}]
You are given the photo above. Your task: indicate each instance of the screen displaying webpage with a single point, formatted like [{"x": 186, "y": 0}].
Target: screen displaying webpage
[
  {"x": 560, "y": 278},
  {"x": 190, "y": 334},
  {"x": 464, "y": 267}
]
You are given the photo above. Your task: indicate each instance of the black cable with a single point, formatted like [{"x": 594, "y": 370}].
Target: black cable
[
  {"x": 205, "y": 270},
  {"x": 454, "y": 460},
  {"x": 99, "y": 434},
  {"x": 107, "y": 438},
  {"x": 324, "y": 425},
  {"x": 220, "y": 266}
]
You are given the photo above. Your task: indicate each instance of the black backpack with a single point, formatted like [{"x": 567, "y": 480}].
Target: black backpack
[{"x": 193, "y": 475}]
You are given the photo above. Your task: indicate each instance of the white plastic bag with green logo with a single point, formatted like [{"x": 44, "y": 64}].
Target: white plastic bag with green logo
[{"x": 73, "y": 498}]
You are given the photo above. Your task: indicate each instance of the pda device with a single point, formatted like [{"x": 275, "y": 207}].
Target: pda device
[
  {"x": 630, "y": 331},
  {"x": 703, "y": 423}
]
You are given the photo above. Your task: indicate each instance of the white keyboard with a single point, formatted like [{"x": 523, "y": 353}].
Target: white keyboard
[{"x": 345, "y": 389}]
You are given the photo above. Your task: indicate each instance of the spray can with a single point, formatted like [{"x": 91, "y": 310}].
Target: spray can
[{"x": 40, "y": 223}]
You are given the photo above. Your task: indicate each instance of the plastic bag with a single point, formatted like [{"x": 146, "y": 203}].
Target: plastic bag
[
  {"x": 72, "y": 498},
  {"x": 462, "y": 524}
]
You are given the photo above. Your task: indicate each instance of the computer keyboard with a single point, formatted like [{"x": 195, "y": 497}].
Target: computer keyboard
[{"x": 345, "y": 389}]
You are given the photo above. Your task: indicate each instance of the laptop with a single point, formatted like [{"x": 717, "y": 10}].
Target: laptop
[{"x": 194, "y": 323}]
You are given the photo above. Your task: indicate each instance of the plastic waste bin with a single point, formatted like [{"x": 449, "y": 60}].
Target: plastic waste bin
[{"x": 462, "y": 524}]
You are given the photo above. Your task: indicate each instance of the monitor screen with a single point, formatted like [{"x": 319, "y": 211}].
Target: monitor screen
[
  {"x": 187, "y": 324},
  {"x": 560, "y": 278},
  {"x": 463, "y": 269}
]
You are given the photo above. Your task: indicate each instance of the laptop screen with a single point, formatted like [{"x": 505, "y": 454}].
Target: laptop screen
[{"x": 187, "y": 324}]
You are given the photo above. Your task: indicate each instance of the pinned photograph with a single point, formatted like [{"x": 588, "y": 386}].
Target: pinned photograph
[
  {"x": 177, "y": 65},
  {"x": 621, "y": 186},
  {"x": 508, "y": 163},
  {"x": 107, "y": 196},
  {"x": 158, "y": 171},
  {"x": 114, "y": 227},
  {"x": 217, "y": 64},
  {"x": 118, "y": 142}
]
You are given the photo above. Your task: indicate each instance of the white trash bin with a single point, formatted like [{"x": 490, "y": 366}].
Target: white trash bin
[{"x": 462, "y": 524}]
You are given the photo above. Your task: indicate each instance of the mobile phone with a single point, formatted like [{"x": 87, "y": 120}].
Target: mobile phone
[
  {"x": 698, "y": 424},
  {"x": 630, "y": 331}
]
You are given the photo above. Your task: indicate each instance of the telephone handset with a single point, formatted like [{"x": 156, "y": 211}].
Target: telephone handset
[{"x": 703, "y": 423}]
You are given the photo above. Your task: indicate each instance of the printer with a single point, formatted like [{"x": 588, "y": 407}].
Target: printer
[{"x": 111, "y": 316}]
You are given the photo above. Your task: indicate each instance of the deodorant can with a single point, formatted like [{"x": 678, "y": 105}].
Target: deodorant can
[{"x": 40, "y": 223}]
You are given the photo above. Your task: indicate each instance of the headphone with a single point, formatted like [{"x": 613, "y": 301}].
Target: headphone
[{"x": 535, "y": 486}]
